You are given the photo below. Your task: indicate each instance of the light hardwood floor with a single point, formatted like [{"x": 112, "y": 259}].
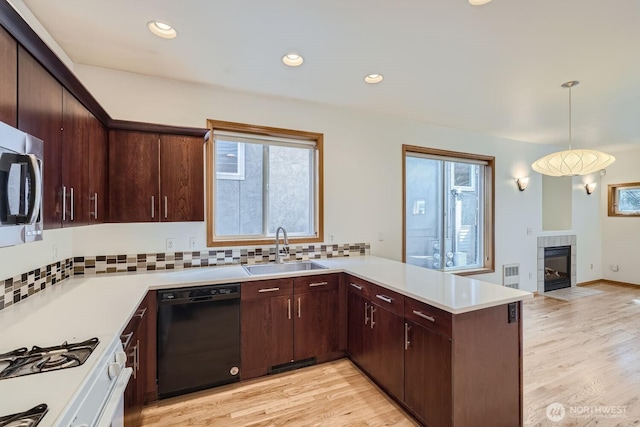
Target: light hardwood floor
[{"x": 584, "y": 354}]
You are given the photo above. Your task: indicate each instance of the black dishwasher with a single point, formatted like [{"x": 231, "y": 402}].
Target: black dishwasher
[{"x": 198, "y": 338}]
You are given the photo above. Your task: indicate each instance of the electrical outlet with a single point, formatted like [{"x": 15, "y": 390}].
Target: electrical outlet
[
  {"x": 54, "y": 253},
  {"x": 193, "y": 243},
  {"x": 171, "y": 244},
  {"x": 530, "y": 276},
  {"x": 513, "y": 312},
  {"x": 529, "y": 231},
  {"x": 331, "y": 237},
  {"x": 591, "y": 266},
  {"x": 380, "y": 236},
  {"x": 614, "y": 267}
]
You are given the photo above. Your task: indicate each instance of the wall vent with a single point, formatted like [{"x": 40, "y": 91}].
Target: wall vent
[{"x": 511, "y": 276}]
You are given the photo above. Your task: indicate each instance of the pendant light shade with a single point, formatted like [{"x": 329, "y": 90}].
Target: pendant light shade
[{"x": 572, "y": 162}]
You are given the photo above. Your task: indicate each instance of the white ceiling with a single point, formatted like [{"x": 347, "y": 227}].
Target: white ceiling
[{"x": 495, "y": 69}]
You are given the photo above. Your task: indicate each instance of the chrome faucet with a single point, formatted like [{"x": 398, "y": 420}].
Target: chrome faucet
[{"x": 285, "y": 244}]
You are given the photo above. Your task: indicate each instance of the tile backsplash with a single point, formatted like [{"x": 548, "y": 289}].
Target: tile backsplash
[
  {"x": 20, "y": 287},
  {"x": 26, "y": 284}
]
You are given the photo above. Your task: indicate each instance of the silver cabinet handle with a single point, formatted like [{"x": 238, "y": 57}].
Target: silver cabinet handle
[
  {"x": 127, "y": 340},
  {"x": 153, "y": 206},
  {"x": 141, "y": 313},
  {"x": 356, "y": 286},
  {"x": 64, "y": 203},
  {"x": 366, "y": 312},
  {"x": 73, "y": 202},
  {"x": 135, "y": 360},
  {"x": 373, "y": 310},
  {"x": 385, "y": 298},
  {"x": 268, "y": 290},
  {"x": 317, "y": 284},
  {"x": 289, "y": 308},
  {"x": 95, "y": 205},
  {"x": 424, "y": 316},
  {"x": 165, "y": 206},
  {"x": 406, "y": 336},
  {"x": 299, "y": 308}
]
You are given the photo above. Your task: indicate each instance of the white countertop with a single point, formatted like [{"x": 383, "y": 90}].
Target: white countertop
[{"x": 101, "y": 306}]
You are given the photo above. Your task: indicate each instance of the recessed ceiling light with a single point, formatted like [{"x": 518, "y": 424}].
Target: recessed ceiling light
[
  {"x": 478, "y": 2},
  {"x": 373, "y": 78},
  {"x": 292, "y": 60},
  {"x": 162, "y": 29}
]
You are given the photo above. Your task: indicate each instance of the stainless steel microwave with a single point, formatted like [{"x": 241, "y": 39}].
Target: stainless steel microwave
[{"x": 20, "y": 187}]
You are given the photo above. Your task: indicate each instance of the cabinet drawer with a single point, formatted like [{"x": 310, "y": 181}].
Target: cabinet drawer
[
  {"x": 388, "y": 299},
  {"x": 432, "y": 318},
  {"x": 266, "y": 288},
  {"x": 359, "y": 286},
  {"x": 316, "y": 283}
]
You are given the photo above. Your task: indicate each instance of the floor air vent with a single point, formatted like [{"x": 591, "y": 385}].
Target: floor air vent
[
  {"x": 291, "y": 366},
  {"x": 511, "y": 276}
]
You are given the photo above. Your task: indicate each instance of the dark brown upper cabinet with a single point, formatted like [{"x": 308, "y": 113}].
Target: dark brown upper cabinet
[
  {"x": 8, "y": 79},
  {"x": 98, "y": 158},
  {"x": 40, "y": 114},
  {"x": 155, "y": 177},
  {"x": 75, "y": 166}
]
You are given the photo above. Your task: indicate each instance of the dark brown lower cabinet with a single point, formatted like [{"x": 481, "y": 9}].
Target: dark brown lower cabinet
[
  {"x": 135, "y": 344},
  {"x": 386, "y": 350},
  {"x": 288, "y": 320},
  {"x": 462, "y": 370},
  {"x": 316, "y": 326},
  {"x": 427, "y": 375},
  {"x": 266, "y": 326}
]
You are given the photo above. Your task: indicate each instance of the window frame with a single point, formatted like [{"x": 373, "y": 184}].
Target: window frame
[
  {"x": 488, "y": 197},
  {"x": 261, "y": 131},
  {"x": 612, "y": 199}
]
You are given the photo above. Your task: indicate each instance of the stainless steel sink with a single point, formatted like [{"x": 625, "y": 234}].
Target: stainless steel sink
[{"x": 282, "y": 268}]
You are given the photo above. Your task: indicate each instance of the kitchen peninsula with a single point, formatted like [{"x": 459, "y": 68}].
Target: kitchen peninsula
[{"x": 458, "y": 340}]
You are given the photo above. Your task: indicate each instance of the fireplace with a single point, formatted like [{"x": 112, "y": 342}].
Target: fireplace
[{"x": 557, "y": 267}]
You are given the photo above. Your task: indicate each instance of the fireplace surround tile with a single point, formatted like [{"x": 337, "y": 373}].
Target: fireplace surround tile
[{"x": 552, "y": 241}]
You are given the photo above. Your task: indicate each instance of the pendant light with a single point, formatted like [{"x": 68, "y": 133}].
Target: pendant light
[{"x": 572, "y": 162}]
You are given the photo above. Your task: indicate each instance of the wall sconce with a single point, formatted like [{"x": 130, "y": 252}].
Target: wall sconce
[
  {"x": 590, "y": 187},
  {"x": 522, "y": 183}
]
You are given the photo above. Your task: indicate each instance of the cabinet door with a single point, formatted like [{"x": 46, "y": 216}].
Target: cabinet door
[
  {"x": 8, "y": 79},
  {"x": 133, "y": 176},
  {"x": 357, "y": 327},
  {"x": 97, "y": 192},
  {"x": 40, "y": 114},
  {"x": 74, "y": 165},
  {"x": 427, "y": 380},
  {"x": 386, "y": 364},
  {"x": 266, "y": 326},
  {"x": 316, "y": 326},
  {"x": 181, "y": 178}
]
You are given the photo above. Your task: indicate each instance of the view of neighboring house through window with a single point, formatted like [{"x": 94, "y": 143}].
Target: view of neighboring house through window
[
  {"x": 448, "y": 212},
  {"x": 262, "y": 179}
]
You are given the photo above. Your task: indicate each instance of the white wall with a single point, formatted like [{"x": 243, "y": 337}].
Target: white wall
[
  {"x": 363, "y": 166},
  {"x": 621, "y": 236},
  {"x": 363, "y": 175}
]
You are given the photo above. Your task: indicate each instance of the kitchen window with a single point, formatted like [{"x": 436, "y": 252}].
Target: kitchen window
[
  {"x": 624, "y": 199},
  {"x": 260, "y": 178},
  {"x": 448, "y": 210}
]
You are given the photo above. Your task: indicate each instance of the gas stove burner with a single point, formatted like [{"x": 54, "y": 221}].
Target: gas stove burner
[
  {"x": 30, "y": 418},
  {"x": 44, "y": 359}
]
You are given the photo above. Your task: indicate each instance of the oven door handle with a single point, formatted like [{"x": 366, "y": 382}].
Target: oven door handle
[
  {"x": 115, "y": 400},
  {"x": 35, "y": 165}
]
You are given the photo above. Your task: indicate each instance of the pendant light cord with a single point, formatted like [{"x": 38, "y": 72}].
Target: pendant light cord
[{"x": 570, "y": 117}]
